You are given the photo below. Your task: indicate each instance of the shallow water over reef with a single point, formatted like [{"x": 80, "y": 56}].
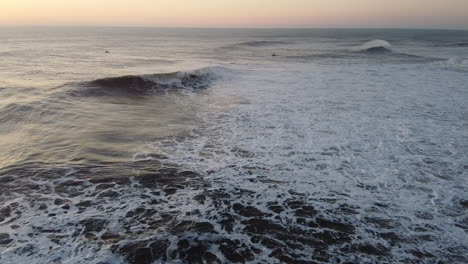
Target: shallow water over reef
[{"x": 199, "y": 146}]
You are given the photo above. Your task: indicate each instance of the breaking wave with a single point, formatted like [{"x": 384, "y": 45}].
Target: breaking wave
[
  {"x": 149, "y": 84},
  {"x": 375, "y": 46},
  {"x": 459, "y": 64}
]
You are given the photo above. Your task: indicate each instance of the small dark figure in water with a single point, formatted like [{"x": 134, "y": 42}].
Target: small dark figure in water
[
  {"x": 274, "y": 55},
  {"x": 107, "y": 51}
]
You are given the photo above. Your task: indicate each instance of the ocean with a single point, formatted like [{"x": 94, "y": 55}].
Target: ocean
[{"x": 158, "y": 145}]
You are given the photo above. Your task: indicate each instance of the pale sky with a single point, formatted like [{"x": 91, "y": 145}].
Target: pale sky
[{"x": 237, "y": 13}]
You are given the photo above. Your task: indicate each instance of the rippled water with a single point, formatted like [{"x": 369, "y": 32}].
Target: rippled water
[{"x": 134, "y": 145}]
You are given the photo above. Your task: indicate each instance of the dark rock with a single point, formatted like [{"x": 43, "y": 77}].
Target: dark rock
[
  {"x": 217, "y": 195},
  {"x": 227, "y": 223},
  {"x": 35, "y": 187},
  {"x": 158, "y": 249},
  {"x": 189, "y": 174},
  {"x": 421, "y": 254},
  {"x": 108, "y": 194},
  {"x": 211, "y": 258},
  {"x": 195, "y": 254},
  {"x": 247, "y": 211},
  {"x": 93, "y": 224},
  {"x": 26, "y": 250},
  {"x": 183, "y": 226},
  {"x": 296, "y": 236},
  {"x": 71, "y": 183},
  {"x": 104, "y": 186},
  {"x": 290, "y": 260},
  {"x": 391, "y": 237},
  {"x": 184, "y": 243},
  {"x": 324, "y": 223},
  {"x": 200, "y": 198},
  {"x": 381, "y": 205},
  {"x": 86, "y": 203},
  {"x": 377, "y": 250},
  {"x": 381, "y": 222},
  {"x": 143, "y": 256},
  {"x": 242, "y": 153},
  {"x": 294, "y": 204},
  {"x": 70, "y": 188},
  {"x": 424, "y": 216},
  {"x": 261, "y": 226},
  {"x": 321, "y": 166},
  {"x": 109, "y": 236},
  {"x": 235, "y": 252},
  {"x": 149, "y": 181},
  {"x": 6, "y": 179},
  {"x": 464, "y": 204},
  {"x": 5, "y": 212},
  {"x": 56, "y": 238},
  {"x": 428, "y": 238},
  {"x": 348, "y": 209},
  {"x": 276, "y": 208},
  {"x": 170, "y": 190},
  {"x": 5, "y": 239},
  {"x": 266, "y": 241},
  {"x": 59, "y": 201},
  {"x": 168, "y": 172},
  {"x": 136, "y": 252},
  {"x": 331, "y": 238},
  {"x": 295, "y": 193},
  {"x": 306, "y": 211},
  {"x": 276, "y": 253},
  {"x": 187, "y": 226},
  {"x": 203, "y": 227},
  {"x": 141, "y": 212},
  {"x": 178, "y": 186},
  {"x": 46, "y": 230}
]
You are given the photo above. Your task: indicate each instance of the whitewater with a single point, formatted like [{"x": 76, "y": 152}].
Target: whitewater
[{"x": 199, "y": 146}]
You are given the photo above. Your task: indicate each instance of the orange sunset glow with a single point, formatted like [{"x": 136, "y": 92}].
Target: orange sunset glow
[{"x": 239, "y": 13}]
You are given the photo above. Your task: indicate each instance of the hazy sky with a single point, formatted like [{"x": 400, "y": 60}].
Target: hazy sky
[{"x": 238, "y": 13}]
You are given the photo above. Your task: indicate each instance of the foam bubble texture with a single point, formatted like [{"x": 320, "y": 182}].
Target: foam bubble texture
[{"x": 321, "y": 163}]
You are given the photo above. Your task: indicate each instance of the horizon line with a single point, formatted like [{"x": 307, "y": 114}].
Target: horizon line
[{"x": 231, "y": 27}]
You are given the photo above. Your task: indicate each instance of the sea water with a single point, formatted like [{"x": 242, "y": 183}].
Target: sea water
[{"x": 151, "y": 145}]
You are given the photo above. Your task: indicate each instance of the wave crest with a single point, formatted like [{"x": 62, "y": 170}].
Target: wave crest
[
  {"x": 255, "y": 44},
  {"x": 148, "y": 84},
  {"x": 375, "y": 46},
  {"x": 460, "y": 44}
]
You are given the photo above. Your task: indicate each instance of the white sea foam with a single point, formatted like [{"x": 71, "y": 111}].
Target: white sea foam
[
  {"x": 377, "y": 43},
  {"x": 378, "y": 150},
  {"x": 385, "y": 140}
]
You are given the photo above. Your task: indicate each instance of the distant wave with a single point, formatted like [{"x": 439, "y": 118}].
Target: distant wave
[
  {"x": 149, "y": 84},
  {"x": 372, "y": 51},
  {"x": 312, "y": 57},
  {"x": 455, "y": 45},
  {"x": 5, "y": 53},
  {"x": 375, "y": 46},
  {"x": 256, "y": 44},
  {"x": 460, "y": 64}
]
